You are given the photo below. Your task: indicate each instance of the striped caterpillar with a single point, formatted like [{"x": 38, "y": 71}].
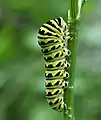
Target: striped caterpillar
[{"x": 52, "y": 38}]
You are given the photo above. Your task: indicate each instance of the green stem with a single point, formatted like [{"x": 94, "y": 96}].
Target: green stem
[
  {"x": 73, "y": 20},
  {"x": 72, "y": 46}
]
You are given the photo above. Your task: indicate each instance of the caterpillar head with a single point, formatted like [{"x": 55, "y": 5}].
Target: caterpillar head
[
  {"x": 62, "y": 23},
  {"x": 64, "y": 27}
]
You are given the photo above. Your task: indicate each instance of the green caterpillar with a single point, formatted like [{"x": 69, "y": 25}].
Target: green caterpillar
[{"x": 52, "y": 38}]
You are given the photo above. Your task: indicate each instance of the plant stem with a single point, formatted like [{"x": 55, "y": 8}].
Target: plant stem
[
  {"x": 73, "y": 20},
  {"x": 72, "y": 46}
]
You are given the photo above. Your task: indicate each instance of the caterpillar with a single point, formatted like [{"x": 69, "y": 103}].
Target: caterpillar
[{"x": 52, "y": 38}]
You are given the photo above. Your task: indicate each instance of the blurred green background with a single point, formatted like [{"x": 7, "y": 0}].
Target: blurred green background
[{"x": 22, "y": 65}]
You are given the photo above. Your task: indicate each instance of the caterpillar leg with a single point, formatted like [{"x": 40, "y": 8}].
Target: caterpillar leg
[
  {"x": 68, "y": 65},
  {"x": 65, "y": 84},
  {"x": 68, "y": 52},
  {"x": 65, "y": 109}
]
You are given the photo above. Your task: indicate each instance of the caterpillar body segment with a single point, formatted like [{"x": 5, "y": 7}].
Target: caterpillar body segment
[
  {"x": 55, "y": 65},
  {"x": 62, "y": 53}
]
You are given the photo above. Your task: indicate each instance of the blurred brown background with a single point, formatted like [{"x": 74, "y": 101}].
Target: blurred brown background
[{"x": 22, "y": 65}]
